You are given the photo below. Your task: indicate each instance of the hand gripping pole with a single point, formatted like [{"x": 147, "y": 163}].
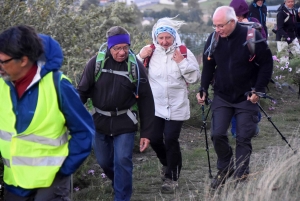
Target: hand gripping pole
[{"x": 263, "y": 95}]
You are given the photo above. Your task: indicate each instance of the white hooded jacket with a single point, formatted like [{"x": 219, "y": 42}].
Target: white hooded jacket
[{"x": 168, "y": 80}]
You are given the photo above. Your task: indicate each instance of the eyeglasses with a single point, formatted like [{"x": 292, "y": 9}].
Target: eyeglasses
[
  {"x": 6, "y": 61},
  {"x": 220, "y": 26},
  {"x": 118, "y": 49}
]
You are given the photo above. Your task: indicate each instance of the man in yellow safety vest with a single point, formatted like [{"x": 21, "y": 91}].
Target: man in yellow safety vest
[{"x": 38, "y": 152}]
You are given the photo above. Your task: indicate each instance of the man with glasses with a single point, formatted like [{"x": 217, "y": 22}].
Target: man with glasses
[
  {"x": 234, "y": 75},
  {"x": 38, "y": 153},
  {"x": 115, "y": 120}
]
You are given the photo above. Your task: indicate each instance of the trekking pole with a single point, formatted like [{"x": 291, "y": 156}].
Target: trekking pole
[
  {"x": 263, "y": 95},
  {"x": 72, "y": 187},
  {"x": 204, "y": 118}
]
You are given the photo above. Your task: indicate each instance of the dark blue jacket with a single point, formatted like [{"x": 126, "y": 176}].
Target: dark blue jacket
[{"x": 78, "y": 121}]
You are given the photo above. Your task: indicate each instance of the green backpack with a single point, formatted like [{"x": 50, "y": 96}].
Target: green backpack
[{"x": 132, "y": 73}]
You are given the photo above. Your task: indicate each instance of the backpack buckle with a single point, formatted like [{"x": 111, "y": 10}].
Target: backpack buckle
[{"x": 251, "y": 58}]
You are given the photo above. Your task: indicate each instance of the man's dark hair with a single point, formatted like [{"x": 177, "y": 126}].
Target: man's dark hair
[{"x": 19, "y": 41}]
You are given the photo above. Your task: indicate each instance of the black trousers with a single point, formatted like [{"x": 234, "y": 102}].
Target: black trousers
[
  {"x": 166, "y": 145},
  {"x": 58, "y": 191},
  {"x": 246, "y": 114}
]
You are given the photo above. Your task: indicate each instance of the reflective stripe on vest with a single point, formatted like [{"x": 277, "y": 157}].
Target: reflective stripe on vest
[
  {"x": 33, "y": 158},
  {"x": 41, "y": 161},
  {"x": 38, "y": 161},
  {"x": 38, "y": 139}
]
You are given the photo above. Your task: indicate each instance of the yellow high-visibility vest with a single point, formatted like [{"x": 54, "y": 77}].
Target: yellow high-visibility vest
[{"x": 32, "y": 158}]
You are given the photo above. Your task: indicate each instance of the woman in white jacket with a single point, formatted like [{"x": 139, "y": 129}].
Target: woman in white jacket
[{"x": 169, "y": 72}]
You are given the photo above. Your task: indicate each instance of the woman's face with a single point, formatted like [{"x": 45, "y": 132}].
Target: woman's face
[
  {"x": 260, "y": 2},
  {"x": 289, "y": 3},
  {"x": 165, "y": 40},
  {"x": 240, "y": 18}
]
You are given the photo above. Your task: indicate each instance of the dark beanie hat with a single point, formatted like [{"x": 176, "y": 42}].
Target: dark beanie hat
[
  {"x": 117, "y": 35},
  {"x": 240, "y": 7}
]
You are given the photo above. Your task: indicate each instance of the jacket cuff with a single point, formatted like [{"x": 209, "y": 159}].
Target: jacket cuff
[{"x": 139, "y": 57}]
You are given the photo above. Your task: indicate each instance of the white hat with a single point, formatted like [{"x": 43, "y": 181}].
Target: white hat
[{"x": 168, "y": 22}]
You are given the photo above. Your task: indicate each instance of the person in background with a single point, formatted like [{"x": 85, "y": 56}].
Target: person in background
[
  {"x": 169, "y": 72},
  {"x": 298, "y": 25},
  {"x": 116, "y": 110},
  {"x": 242, "y": 10},
  {"x": 258, "y": 10},
  {"x": 38, "y": 152},
  {"x": 286, "y": 35},
  {"x": 234, "y": 75}
]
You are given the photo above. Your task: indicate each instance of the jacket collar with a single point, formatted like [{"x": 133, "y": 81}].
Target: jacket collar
[{"x": 236, "y": 31}]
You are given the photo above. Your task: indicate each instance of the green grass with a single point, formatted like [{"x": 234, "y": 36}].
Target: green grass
[{"x": 194, "y": 181}]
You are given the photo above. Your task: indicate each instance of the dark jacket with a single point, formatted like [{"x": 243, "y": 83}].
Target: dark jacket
[
  {"x": 229, "y": 66},
  {"x": 114, "y": 92},
  {"x": 260, "y": 13},
  {"x": 286, "y": 29},
  {"x": 241, "y": 8}
]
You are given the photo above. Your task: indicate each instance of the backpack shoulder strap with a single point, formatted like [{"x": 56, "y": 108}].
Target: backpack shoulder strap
[
  {"x": 213, "y": 44},
  {"x": 251, "y": 45},
  {"x": 250, "y": 42},
  {"x": 183, "y": 50},
  {"x": 147, "y": 59},
  {"x": 134, "y": 73},
  {"x": 287, "y": 17},
  {"x": 100, "y": 60},
  {"x": 56, "y": 79},
  {"x": 132, "y": 68}
]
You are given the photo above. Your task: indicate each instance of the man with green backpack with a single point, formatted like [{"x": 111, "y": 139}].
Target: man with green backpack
[{"x": 118, "y": 86}]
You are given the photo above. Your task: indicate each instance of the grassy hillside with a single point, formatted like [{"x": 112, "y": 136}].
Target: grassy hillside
[{"x": 207, "y": 6}]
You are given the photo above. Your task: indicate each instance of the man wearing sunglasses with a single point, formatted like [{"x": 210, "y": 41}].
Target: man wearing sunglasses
[{"x": 234, "y": 74}]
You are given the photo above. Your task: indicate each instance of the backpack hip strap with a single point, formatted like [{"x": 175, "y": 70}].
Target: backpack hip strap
[
  {"x": 122, "y": 73},
  {"x": 129, "y": 113}
]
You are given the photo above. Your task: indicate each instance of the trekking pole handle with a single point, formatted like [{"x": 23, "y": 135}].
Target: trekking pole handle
[
  {"x": 259, "y": 94},
  {"x": 206, "y": 98}
]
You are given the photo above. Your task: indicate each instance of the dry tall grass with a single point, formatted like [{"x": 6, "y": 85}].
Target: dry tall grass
[{"x": 275, "y": 177}]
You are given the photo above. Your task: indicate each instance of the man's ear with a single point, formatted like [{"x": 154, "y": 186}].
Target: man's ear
[{"x": 25, "y": 62}]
